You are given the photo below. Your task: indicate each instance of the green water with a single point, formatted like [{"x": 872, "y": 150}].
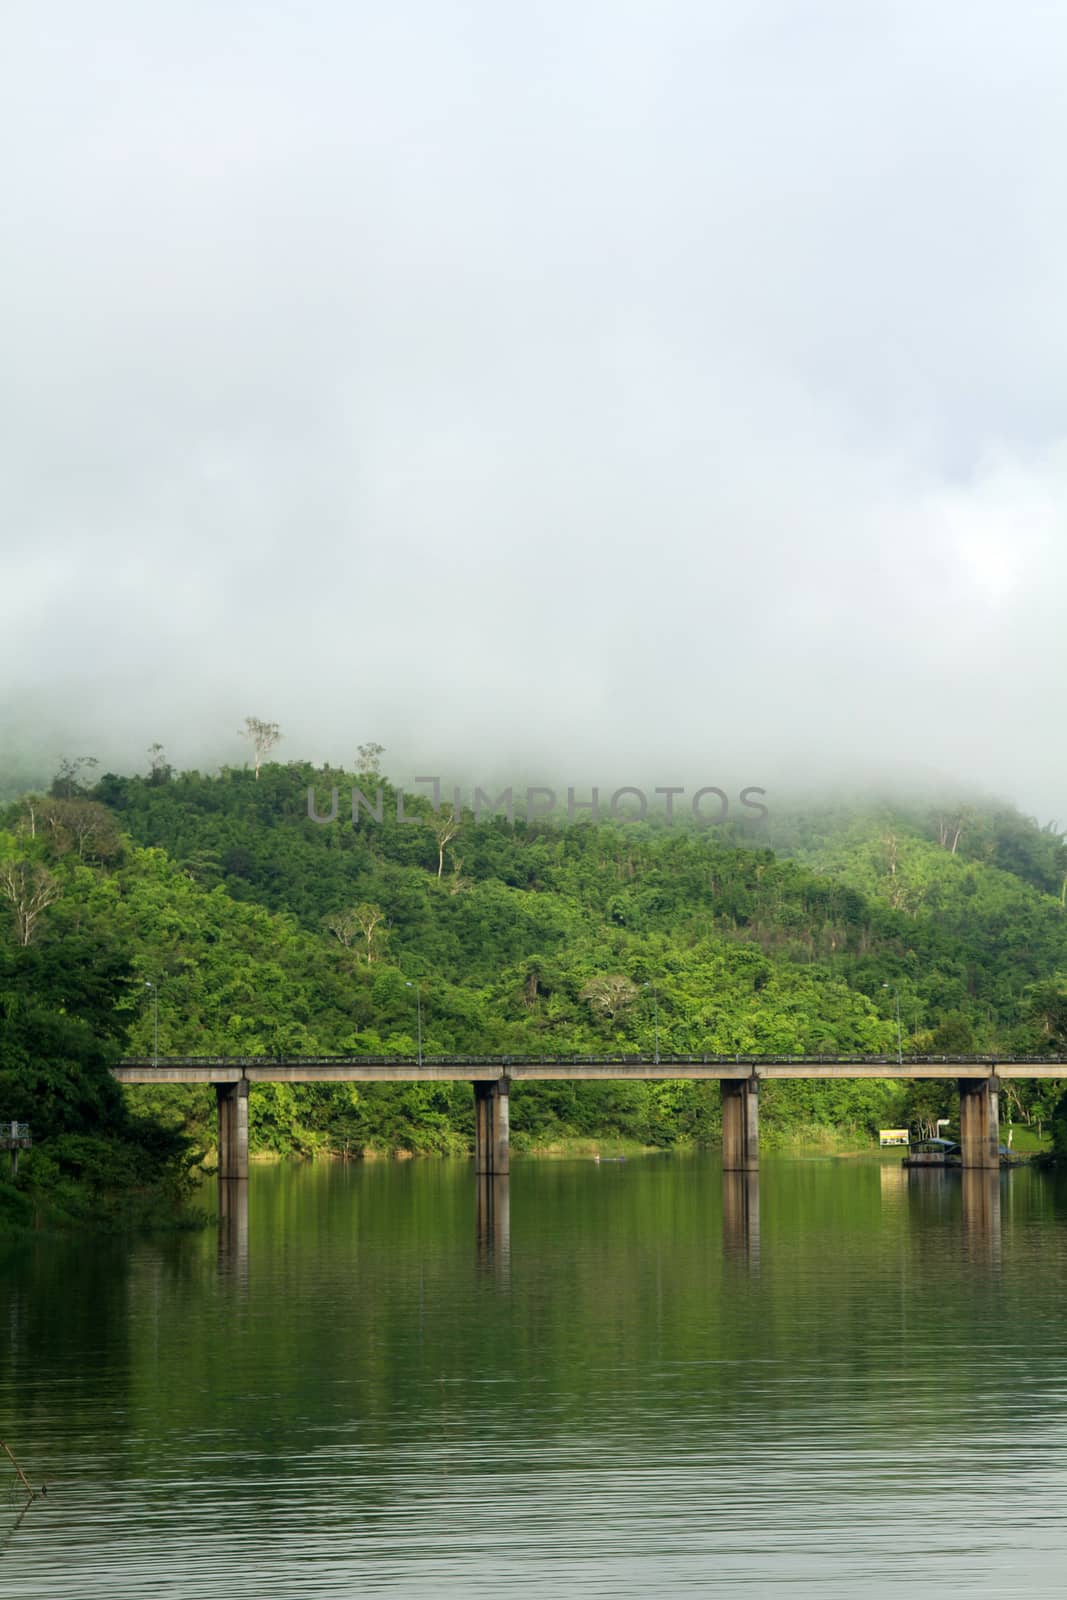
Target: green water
[{"x": 625, "y": 1379}]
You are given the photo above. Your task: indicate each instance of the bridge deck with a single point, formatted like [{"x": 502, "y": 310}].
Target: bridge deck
[{"x": 491, "y": 1069}]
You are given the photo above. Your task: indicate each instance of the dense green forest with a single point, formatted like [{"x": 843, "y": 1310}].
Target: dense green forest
[{"x": 217, "y": 909}]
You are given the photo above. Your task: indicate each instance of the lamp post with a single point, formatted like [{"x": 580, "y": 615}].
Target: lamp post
[
  {"x": 900, "y": 1042},
  {"x": 418, "y": 1011},
  {"x": 655, "y": 1013},
  {"x": 155, "y": 1021}
]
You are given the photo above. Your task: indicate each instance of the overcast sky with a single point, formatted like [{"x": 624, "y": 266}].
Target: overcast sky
[{"x": 666, "y": 391}]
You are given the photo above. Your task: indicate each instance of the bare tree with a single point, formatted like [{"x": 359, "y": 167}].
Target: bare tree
[
  {"x": 445, "y": 826},
  {"x": 370, "y": 917},
  {"x": 67, "y": 783},
  {"x": 159, "y": 768},
  {"x": 609, "y": 993},
  {"x": 950, "y": 830},
  {"x": 343, "y": 926},
  {"x": 892, "y": 857},
  {"x": 360, "y": 922},
  {"x": 80, "y": 825},
  {"x": 457, "y": 883},
  {"x": 263, "y": 736},
  {"x": 369, "y": 759},
  {"x": 27, "y": 823},
  {"x": 29, "y": 889}
]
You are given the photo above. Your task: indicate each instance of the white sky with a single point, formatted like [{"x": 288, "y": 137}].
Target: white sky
[{"x": 667, "y": 392}]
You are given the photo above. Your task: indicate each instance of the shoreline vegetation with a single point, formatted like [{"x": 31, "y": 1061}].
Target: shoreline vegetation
[
  {"x": 207, "y": 914},
  {"x": 807, "y": 1141},
  {"x": 32, "y": 1213}
]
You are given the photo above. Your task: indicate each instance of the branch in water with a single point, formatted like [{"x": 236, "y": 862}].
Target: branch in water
[{"x": 25, "y": 1481}]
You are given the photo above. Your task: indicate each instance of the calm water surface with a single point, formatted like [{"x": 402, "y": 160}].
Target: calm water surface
[{"x": 630, "y": 1379}]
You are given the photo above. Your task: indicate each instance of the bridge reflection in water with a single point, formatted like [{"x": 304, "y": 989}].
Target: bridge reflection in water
[
  {"x": 981, "y": 1192},
  {"x": 740, "y": 1218},
  {"x": 233, "y": 1232},
  {"x": 493, "y": 1226},
  {"x": 971, "y": 1194},
  {"x": 491, "y": 1078},
  {"x": 968, "y": 1197}
]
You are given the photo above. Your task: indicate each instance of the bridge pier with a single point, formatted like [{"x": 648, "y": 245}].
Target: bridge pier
[
  {"x": 740, "y": 1124},
  {"x": 492, "y": 1136},
  {"x": 980, "y": 1122},
  {"x": 233, "y": 1128}
]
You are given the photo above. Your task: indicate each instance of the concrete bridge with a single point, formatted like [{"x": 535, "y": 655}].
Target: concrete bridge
[{"x": 739, "y": 1076}]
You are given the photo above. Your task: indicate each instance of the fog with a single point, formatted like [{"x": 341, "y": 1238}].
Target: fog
[{"x": 596, "y": 392}]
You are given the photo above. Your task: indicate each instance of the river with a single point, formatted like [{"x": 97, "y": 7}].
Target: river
[{"x": 624, "y": 1379}]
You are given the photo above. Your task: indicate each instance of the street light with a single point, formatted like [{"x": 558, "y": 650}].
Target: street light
[
  {"x": 900, "y": 1043},
  {"x": 655, "y": 1012},
  {"x": 155, "y": 1020},
  {"x": 418, "y": 1010}
]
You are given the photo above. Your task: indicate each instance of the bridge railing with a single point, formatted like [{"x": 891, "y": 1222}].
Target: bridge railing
[{"x": 643, "y": 1060}]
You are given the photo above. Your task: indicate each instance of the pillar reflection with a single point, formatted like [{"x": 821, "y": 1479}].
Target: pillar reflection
[
  {"x": 493, "y": 1226},
  {"x": 981, "y": 1214},
  {"x": 740, "y": 1217},
  {"x": 233, "y": 1231}
]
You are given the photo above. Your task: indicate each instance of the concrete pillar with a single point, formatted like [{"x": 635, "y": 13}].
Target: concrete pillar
[
  {"x": 502, "y": 1130},
  {"x": 740, "y": 1124},
  {"x": 233, "y": 1128},
  {"x": 492, "y": 1135},
  {"x": 980, "y": 1122},
  {"x": 481, "y": 1123}
]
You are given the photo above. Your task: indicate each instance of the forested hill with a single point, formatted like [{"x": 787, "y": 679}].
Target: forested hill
[{"x": 264, "y": 931}]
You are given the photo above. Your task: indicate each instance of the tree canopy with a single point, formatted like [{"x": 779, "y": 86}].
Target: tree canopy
[{"x": 266, "y": 932}]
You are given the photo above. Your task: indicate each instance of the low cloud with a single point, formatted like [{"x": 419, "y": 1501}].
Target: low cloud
[{"x": 589, "y": 395}]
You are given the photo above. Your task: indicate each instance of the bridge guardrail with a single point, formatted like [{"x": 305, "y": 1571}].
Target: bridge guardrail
[{"x": 617, "y": 1059}]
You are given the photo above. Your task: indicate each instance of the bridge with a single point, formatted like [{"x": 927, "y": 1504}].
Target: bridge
[{"x": 739, "y": 1076}]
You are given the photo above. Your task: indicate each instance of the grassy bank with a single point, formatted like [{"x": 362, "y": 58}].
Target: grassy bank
[{"x": 569, "y": 1149}]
